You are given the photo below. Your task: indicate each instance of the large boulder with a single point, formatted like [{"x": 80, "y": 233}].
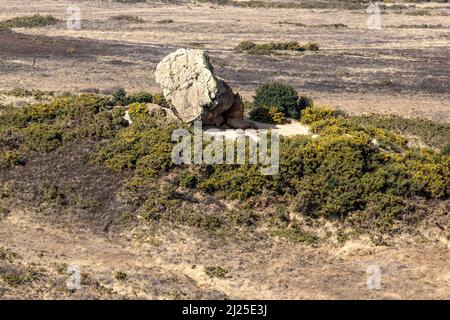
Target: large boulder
[{"x": 190, "y": 86}]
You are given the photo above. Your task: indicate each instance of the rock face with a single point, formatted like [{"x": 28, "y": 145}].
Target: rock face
[{"x": 190, "y": 86}]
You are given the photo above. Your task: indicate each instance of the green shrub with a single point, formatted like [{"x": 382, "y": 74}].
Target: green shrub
[
  {"x": 11, "y": 158},
  {"x": 429, "y": 171},
  {"x": 233, "y": 181},
  {"x": 121, "y": 276},
  {"x": 310, "y": 114},
  {"x": 20, "y": 92},
  {"x": 43, "y": 137},
  {"x": 276, "y": 116},
  {"x": 141, "y": 97},
  {"x": 352, "y": 170},
  {"x": 271, "y": 47},
  {"x": 189, "y": 180},
  {"x": 340, "y": 172},
  {"x": 53, "y": 194},
  {"x": 145, "y": 146},
  {"x": 46, "y": 126},
  {"x": 282, "y": 96},
  {"x": 261, "y": 114},
  {"x": 216, "y": 272},
  {"x": 446, "y": 149},
  {"x": 305, "y": 102},
  {"x": 121, "y": 98},
  {"x": 311, "y": 46},
  {"x": 267, "y": 115},
  {"x": 137, "y": 109},
  {"x": 433, "y": 134},
  {"x": 34, "y": 21}
]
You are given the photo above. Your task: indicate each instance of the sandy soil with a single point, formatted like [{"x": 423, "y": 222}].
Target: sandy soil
[{"x": 173, "y": 266}]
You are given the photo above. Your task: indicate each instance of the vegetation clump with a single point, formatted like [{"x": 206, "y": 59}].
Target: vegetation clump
[
  {"x": 267, "y": 115},
  {"x": 336, "y": 4},
  {"x": 272, "y": 47},
  {"x": 121, "y": 276},
  {"x": 165, "y": 21},
  {"x": 216, "y": 272},
  {"x": 299, "y": 24},
  {"x": 354, "y": 169},
  {"x": 296, "y": 234},
  {"x": 128, "y": 18},
  {"x": 121, "y": 98},
  {"x": 35, "y": 21},
  {"x": 347, "y": 169},
  {"x": 11, "y": 158},
  {"x": 282, "y": 97},
  {"x": 44, "y": 127},
  {"x": 431, "y": 133},
  {"x": 36, "y": 94}
]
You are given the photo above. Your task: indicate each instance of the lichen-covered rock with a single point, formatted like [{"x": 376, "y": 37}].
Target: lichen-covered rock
[{"x": 190, "y": 86}]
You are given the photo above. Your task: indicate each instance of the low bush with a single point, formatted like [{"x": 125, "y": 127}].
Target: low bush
[
  {"x": 272, "y": 47},
  {"x": 216, "y": 271},
  {"x": 146, "y": 146},
  {"x": 121, "y": 276},
  {"x": 137, "y": 109},
  {"x": 34, "y": 21},
  {"x": 46, "y": 126},
  {"x": 267, "y": 115},
  {"x": 121, "y": 98},
  {"x": 346, "y": 169},
  {"x": 36, "y": 94},
  {"x": 446, "y": 149},
  {"x": 284, "y": 97},
  {"x": 11, "y": 158},
  {"x": 158, "y": 98},
  {"x": 353, "y": 169},
  {"x": 433, "y": 134}
]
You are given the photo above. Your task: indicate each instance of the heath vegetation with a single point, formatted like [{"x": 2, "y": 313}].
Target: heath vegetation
[{"x": 358, "y": 167}]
